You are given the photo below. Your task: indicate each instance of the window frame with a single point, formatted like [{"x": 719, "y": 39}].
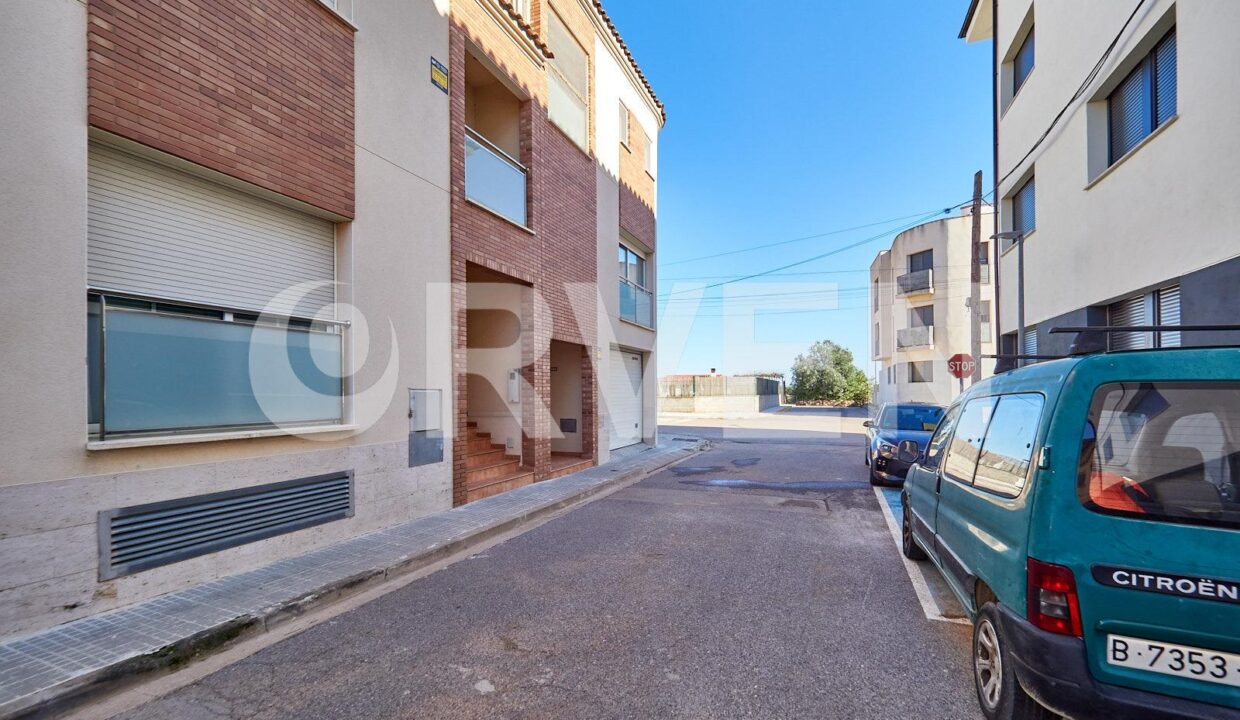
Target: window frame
[
  {"x": 1030, "y": 185},
  {"x": 1033, "y": 449},
  {"x": 926, "y": 377},
  {"x": 947, "y": 427},
  {"x": 920, "y": 253},
  {"x": 1147, "y": 70},
  {"x": 649, "y": 159},
  {"x": 625, "y": 126},
  {"x": 1018, "y": 81}
]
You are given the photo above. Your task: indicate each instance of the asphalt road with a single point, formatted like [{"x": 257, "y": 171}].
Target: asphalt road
[{"x": 757, "y": 580}]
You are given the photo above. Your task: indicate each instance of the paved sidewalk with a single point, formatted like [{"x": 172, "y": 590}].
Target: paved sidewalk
[{"x": 71, "y": 661}]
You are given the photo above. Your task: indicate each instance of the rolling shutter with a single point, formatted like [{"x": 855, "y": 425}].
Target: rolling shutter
[
  {"x": 624, "y": 399},
  {"x": 161, "y": 233},
  {"x": 1128, "y": 113},
  {"x": 1165, "y": 90},
  {"x": 1133, "y": 311},
  {"x": 1029, "y": 345},
  {"x": 1169, "y": 314}
]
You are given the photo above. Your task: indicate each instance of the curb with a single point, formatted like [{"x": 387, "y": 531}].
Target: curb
[{"x": 71, "y": 694}]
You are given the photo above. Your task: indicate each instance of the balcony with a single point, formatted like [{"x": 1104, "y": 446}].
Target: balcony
[
  {"x": 636, "y": 304},
  {"x": 915, "y": 283},
  {"x": 915, "y": 337},
  {"x": 494, "y": 179}
]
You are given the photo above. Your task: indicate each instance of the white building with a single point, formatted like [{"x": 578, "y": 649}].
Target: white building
[
  {"x": 1124, "y": 189},
  {"x": 919, "y": 305}
]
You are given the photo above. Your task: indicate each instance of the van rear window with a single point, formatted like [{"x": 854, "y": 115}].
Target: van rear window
[{"x": 1167, "y": 452}]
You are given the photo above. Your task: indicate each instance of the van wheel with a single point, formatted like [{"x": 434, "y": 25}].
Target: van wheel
[
  {"x": 998, "y": 691},
  {"x": 908, "y": 545}
]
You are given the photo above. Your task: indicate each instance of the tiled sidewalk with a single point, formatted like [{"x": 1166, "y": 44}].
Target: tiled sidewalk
[{"x": 82, "y": 656}]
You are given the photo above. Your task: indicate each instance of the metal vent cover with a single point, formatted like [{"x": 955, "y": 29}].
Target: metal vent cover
[{"x": 141, "y": 537}]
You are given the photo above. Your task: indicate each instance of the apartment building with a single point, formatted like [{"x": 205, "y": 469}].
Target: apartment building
[
  {"x": 1122, "y": 190},
  {"x": 231, "y": 331},
  {"x": 920, "y": 291},
  {"x": 553, "y": 144}
]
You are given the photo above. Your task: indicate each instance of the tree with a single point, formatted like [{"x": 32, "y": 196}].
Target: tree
[{"x": 826, "y": 373}]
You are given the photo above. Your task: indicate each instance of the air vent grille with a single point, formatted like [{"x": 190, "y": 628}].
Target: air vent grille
[{"x": 146, "y": 536}]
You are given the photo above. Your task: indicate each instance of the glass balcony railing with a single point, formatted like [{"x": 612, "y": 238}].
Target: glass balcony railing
[
  {"x": 166, "y": 374},
  {"x": 494, "y": 179},
  {"x": 636, "y": 304},
  {"x": 915, "y": 337},
  {"x": 921, "y": 281}
]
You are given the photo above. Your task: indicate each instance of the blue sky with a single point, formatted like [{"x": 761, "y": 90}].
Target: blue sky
[{"x": 817, "y": 117}]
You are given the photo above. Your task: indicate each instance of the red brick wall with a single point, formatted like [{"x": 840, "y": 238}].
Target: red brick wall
[
  {"x": 557, "y": 250},
  {"x": 261, "y": 90},
  {"x": 636, "y": 216}
]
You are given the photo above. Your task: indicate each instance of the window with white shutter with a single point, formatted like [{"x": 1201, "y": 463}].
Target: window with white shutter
[
  {"x": 1169, "y": 314},
  {"x": 1131, "y": 311}
]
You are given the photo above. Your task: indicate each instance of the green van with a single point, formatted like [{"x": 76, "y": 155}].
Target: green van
[{"x": 1086, "y": 511}]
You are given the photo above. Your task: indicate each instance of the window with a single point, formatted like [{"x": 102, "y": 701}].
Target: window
[
  {"x": 1144, "y": 100},
  {"x": 1024, "y": 209},
  {"x": 568, "y": 83},
  {"x": 875, "y": 295},
  {"x": 649, "y": 154},
  {"x": 921, "y": 316},
  {"x": 983, "y": 318},
  {"x": 1160, "y": 452},
  {"x": 919, "y": 261},
  {"x": 1022, "y": 64},
  {"x": 624, "y": 125},
  {"x": 919, "y": 418},
  {"x": 1161, "y": 307},
  {"x": 921, "y": 371},
  {"x": 877, "y": 337},
  {"x": 938, "y": 442},
  {"x": 966, "y": 444},
  {"x": 1003, "y": 466},
  {"x": 1029, "y": 345},
  {"x": 157, "y": 368},
  {"x": 983, "y": 262},
  {"x": 636, "y": 301}
]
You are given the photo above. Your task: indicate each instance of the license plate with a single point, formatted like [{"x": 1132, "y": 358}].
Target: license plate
[{"x": 1178, "y": 660}]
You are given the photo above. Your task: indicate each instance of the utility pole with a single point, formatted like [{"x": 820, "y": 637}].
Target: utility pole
[{"x": 975, "y": 279}]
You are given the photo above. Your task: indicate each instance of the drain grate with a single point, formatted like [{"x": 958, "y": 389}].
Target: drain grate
[{"x": 141, "y": 537}]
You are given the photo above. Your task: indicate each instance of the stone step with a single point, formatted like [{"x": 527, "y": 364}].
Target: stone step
[
  {"x": 481, "y": 445},
  {"x": 495, "y": 487},
  {"x": 490, "y": 456},
  {"x": 477, "y": 476}
]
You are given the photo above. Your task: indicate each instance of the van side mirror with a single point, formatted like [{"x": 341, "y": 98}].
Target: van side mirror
[
  {"x": 868, "y": 423},
  {"x": 907, "y": 452}
]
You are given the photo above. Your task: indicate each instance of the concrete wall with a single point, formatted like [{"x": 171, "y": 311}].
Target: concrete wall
[
  {"x": 391, "y": 259},
  {"x": 1165, "y": 211},
  {"x": 719, "y": 404},
  {"x": 951, "y": 240}
]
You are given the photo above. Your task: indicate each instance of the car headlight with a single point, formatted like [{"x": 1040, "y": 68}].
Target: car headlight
[{"x": 887, "y": 450}]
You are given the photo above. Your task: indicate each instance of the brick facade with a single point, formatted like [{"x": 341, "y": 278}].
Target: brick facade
[
  {"x": 636, "y": 187},
  {"x": 261, "y": 90},
  {"x": 555, "y": 256}
]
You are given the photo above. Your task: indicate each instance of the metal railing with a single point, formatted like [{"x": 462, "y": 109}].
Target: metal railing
[
  {"x": 636, "y": 303},
  {"x": 494, "y": 179},
  {"x": 912, "y": 337},
  {"x": 921, "y": 281}
]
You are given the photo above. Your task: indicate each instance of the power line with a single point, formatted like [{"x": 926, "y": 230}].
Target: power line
[
  {"x": 789, "y": 274},
  {"x": 806, "y": 237},
  {"x": 1075, "y": 96},
  {"x": 829, "y": 253}
]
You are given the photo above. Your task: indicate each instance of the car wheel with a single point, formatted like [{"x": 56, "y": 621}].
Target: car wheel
[
  {"x": 908, "y": 545},
  {"x": 875, "y": 480},
  {"x": 998, "y": 691}
]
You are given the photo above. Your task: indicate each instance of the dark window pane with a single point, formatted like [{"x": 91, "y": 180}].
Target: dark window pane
[
  {"x": 938, "y": 442},
  {"x": 1004, "y": 462},
  {"x": 921, "y": 261},
  {"x": 1022, "y": 65},
  {"x": 1164, "y": 80},
  {"x": 921, "y": 316},
  {"x": 1129, "y": 113},
  {"x": 966, "y": 444},
  {"x": 1024, "y": 211}
]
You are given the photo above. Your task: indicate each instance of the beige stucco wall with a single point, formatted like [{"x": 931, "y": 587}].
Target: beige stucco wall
[
  {"x": 1168, "y": 208},
  {"x": 951, "y": 240},
  {"x": 393, "y": 257},
  {"x": 611, "y": 86}
]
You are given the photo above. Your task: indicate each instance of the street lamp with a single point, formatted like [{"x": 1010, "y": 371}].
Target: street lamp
[{"x": 1018, "y": 237}]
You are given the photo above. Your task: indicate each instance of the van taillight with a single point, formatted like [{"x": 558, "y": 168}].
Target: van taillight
[{"x": 1053, "y": 604}]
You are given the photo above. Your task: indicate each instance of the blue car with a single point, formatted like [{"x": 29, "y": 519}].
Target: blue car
[{"x": 897, "y": 422}]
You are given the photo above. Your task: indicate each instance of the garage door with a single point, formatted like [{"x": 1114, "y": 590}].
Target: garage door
[
  {"x": 157, "y": 232},
  {"x": 624, "y": 398}
]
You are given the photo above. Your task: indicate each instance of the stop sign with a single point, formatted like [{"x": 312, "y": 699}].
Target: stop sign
[{"x": 961, "y": 365}]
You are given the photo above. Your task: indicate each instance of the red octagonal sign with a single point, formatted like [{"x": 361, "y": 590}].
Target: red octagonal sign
[{"x": 961, "y": 365}]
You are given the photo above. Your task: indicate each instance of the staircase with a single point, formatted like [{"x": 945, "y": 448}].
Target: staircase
[{"x": 488, "y": 470}]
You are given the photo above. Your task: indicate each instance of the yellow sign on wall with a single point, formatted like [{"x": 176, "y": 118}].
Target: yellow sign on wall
[{"x": 439, "y": 75}]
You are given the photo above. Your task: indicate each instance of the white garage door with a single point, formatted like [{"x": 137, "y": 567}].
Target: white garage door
[
  {"x": 158, "y": 232},
  {"x": 624, "y": 398}
]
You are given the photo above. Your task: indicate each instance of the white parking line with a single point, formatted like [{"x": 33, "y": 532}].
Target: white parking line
[{"x": 916, "y": 571}]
